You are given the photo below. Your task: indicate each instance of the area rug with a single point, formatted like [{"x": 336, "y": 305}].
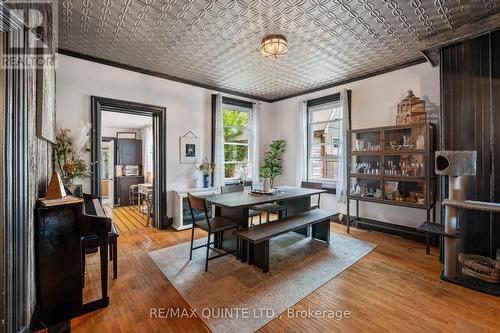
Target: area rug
[{"x": 236, "y": 297}]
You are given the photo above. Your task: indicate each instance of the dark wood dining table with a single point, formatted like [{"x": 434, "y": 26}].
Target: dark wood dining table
[{"x": 235, "y": 206}]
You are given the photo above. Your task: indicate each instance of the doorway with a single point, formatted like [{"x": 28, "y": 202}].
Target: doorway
[{"x": 157, "y": 114}]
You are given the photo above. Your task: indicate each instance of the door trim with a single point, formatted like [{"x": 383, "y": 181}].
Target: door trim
[{"x": 159, "y": 115}]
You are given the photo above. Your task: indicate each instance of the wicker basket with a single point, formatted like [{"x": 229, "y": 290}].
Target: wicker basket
[{"x": 480, "y": 267}]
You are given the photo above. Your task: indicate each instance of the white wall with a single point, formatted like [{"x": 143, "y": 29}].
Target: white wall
[
  {"x": 374, "y": 103},
  {"x": 188, "y": 107},
  {"x": 111, "y": 131}
]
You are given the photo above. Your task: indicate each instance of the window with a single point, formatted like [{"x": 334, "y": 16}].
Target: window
[
  {"x": 323, "y": 136},
  {"x": 237, "y": 142}
]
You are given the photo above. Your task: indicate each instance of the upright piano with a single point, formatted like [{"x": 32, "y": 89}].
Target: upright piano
[{"x": 60, "y": 227}]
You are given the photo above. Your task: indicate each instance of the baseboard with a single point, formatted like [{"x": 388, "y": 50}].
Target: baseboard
[
  {"x": 386, "y": 228},
  {"x": 166, "y": 222}
]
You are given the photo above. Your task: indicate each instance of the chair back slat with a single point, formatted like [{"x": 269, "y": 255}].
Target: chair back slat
[
  {"x": 197, "y": 203},
  {"x": 311, "y": 185},
  {"x": 232, "y": 188}
]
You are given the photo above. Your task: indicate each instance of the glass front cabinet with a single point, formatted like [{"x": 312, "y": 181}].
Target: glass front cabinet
[{"x": 393, "y": 165}]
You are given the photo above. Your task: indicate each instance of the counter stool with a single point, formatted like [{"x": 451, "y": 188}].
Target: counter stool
[
  {"x": 133, "y": 196},
  {"x": 240, "y": 188},
  {"x": 216, "y": 225},
  {"x": 313, "y": 186}
]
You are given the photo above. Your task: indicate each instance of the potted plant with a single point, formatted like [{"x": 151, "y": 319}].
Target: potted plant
[
  {"x": 272, "y": 167},
  {"x": 69, "y": 159},
  {"x": 265, "y": 174},
  {"x": 206, "y": 168}
]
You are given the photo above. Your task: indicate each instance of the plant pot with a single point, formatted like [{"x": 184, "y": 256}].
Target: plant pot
[
  {"x": 205, "y": 181},
  {"x": 266, "y": 185}
]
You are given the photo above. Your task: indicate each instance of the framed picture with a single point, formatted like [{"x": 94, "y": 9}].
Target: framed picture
[
  {"x": 126, "y": 135},
  {"x": 46, "y": 104},
  {"x": 189, "y": 150}
]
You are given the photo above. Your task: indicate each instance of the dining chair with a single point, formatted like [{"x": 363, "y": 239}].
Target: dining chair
[
  {"x": 314, "y": 186},
  {"x": 215, "y": 225},
  {"x": 240, "y": 188},
  {"x": 149, "y": 207},
  {"x": 270, "y": 208},
  {"x": 133, "y": 196}
]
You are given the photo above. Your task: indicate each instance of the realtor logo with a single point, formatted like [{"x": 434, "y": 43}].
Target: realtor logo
[{"x": 31, "y": 40}]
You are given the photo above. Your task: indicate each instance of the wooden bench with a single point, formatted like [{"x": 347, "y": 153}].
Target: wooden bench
[{"x": 258, "y": 236}]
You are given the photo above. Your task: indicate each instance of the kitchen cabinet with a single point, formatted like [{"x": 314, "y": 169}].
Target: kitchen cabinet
[
  {"x": 128, "y": 152},
  {"x": 122, "y": 185}
]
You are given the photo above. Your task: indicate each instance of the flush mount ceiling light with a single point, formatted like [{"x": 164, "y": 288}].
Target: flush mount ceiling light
[{"x": 273, "y": 46}]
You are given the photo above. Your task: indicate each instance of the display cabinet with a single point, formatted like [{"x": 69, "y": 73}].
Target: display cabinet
[{"x": 392, "y": 165}]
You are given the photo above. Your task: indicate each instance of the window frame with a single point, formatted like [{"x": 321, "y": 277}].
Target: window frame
[
  {"x": 310, "y": 110},
  {"x": 240, "y": 107},
  {"x": 329, "y": 186}
]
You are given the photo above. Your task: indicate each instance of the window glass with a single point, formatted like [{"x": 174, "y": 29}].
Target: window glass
[
  {"x": 324, "y": 123},
  {"x": 237, "y": 145}
]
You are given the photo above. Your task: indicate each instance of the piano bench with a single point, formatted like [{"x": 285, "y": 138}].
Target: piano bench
[{"x": 89, "y": 245}]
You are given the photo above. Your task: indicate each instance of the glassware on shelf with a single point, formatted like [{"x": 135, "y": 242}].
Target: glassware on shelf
[
  {"x": 364, "y": 145},
  {"x": 420, "y": 142},
  {"x": 407, "y": 166},
  {"x": 366, "y": 188},
  {"x": 367, "y": 168}
]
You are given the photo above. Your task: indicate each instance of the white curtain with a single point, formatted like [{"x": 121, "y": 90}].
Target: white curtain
[
  {"x": 147, "y": 134},
  {"x": 341, "y": 183},
  {"x": 302, "y": 144},
  {"x": 219, "y": 144},
  {"x": 255, "y": 141}
]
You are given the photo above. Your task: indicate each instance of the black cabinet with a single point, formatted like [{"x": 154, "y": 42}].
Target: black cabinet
[
  {"x": 128, "y": 152},
  {"x": 122, "y": 185},
  {"x": 58, "y": 265}
]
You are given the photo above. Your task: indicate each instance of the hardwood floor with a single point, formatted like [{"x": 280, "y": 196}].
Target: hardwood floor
[
  {"x": 395, "y": 288},
  {"x": 126, "y": 218}
]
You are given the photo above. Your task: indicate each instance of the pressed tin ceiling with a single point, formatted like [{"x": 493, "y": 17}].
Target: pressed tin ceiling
[{"x": 217, "y": 43}]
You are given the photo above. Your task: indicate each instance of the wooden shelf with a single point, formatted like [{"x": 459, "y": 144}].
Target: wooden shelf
[
  {"x": 405, "y": 204},
  {"x": 388, "y": 202},
  {"x": 405, "y": 178},
  {"x": 371, "y": 199},
  {"x": 365, "y": 175},
  {"x": 367, "y": 153},
  {"x": 402, "y": 152}
]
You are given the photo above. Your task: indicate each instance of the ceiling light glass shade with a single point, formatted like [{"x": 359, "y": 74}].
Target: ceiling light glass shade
[{"x": 274, "y": 46}]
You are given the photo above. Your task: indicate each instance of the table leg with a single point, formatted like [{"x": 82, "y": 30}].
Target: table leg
[
  {"x": 321, "y": 231},
  {"x": 229, "y": 242},
  {"x": 295, "y": 207},
  {"x": 217, "y": 212},
  {"x": 348, "y": 218},
  {"x": 357, "y": 213},
  {"x": 259, "y": 255}
]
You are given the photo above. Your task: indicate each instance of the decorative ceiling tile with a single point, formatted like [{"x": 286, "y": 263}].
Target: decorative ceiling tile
[{"x": 217, "y": 43}]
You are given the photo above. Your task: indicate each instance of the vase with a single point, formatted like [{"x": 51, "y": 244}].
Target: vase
[
  {"x": 205, "y": 181},
  {"x": 266, "y": 185}
]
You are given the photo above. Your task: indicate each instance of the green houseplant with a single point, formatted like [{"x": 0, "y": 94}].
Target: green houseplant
[{"x": 272, "y": 167}]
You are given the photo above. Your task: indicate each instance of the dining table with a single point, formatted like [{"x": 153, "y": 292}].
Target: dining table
[{"x": 236, "y": 205}]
